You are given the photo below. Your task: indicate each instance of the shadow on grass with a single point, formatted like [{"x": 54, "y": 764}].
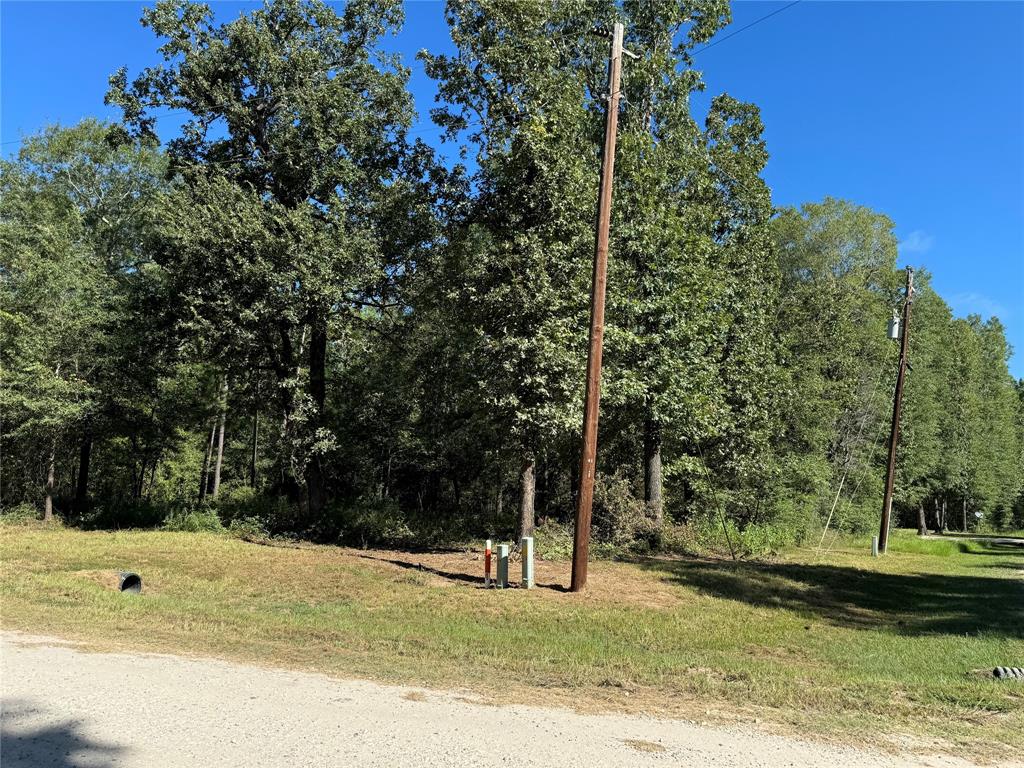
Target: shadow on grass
[
  {"x": 464, "y": 578},
  {"x": 1019, "y": 541},
  {"x": 911, "y": 604},
  {"x": 1002, "y": 547},
  {"x": 53, "y": 745},
  {"x": 451, "y": 575}
]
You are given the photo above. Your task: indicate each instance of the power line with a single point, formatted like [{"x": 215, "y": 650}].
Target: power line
[{"x": 744, "y": 28}]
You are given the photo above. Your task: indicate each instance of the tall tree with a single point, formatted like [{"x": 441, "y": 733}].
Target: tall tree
[
  {"x": 74, "y": 227},
  {"x": 662, "y": 373},
  {"x": 739, "y": 204},
  {"x": 517, "y": 266},
  {"x": 998, "y": 450},
  {"x": 297, "y": 190},
  {"x": 961, "y": 415},
  {"x": 919, "y": 470},
  {"x": 838, "y": 286}
]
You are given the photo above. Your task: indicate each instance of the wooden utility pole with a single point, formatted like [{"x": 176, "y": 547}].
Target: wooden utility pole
[
  {"x": 894, "y": 435},
  {"x": 585, "y": 496}
]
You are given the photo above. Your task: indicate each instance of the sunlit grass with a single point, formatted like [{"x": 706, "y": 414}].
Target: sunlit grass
[{"x": 837, "y": 643}]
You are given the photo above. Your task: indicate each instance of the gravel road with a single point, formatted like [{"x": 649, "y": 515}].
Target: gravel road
[{"x": 63, "y": 707}]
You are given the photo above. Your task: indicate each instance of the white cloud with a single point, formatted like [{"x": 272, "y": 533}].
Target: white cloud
[
  {"x": 917, "y": 241},
  {"x": 973, "y": 303}
]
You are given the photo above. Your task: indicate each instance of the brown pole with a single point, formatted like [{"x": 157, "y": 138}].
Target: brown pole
[
  {"x": 585, "y": 497},
  {"x": 894, "y": 435}
]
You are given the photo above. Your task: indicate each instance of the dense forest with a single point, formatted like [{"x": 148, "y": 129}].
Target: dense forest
[{"x": 298, "y": 317}]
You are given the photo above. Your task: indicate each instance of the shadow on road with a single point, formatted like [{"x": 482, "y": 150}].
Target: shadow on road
[{"x": 23, "y": 744}]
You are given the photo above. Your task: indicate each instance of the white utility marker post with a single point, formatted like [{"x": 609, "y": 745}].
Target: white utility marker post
[
  {"x": 502, "y": 566},
  {"x": 526, "y": 550}
]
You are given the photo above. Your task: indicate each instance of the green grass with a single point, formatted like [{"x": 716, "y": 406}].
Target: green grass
[{"x": 837, "y": 645}]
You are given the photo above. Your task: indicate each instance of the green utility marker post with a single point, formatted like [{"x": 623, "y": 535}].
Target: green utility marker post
[
  {"x": 502, "y": 566},
  {"x": 526, "y": 550}
]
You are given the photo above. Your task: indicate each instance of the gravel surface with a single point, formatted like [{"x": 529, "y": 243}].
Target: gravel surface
[{"x": 63, "y": 707}]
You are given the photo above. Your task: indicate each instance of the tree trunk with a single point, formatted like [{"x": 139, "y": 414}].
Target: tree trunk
[
  {"x": 318, "y": 391},
  {"x": 652, "y": 471},
  {"x": 286, "y": 369},
  {"x": 255, "y": 437},
  {"x": 135, "y": 466},
  {"x": 965, "y": 514},
  {"x": 205, "y": 476},
  {"x": 938, "y": 517},
  {"x": 215, "y": 487},
  {"x": 945, "y": 521},
  {"x": 152, "y": 476},
  {"x": 140, "y": 478},
  {"x": 527, "y": 491},
  {"x": 51, "y": 480},
  {"x": 82, "y": 486},
  {"x": 922, "y": 523},
  {"x": 499, "y": 503}
]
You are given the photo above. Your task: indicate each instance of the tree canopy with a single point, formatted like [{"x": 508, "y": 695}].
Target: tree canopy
[{"x": 295, "y": 315}]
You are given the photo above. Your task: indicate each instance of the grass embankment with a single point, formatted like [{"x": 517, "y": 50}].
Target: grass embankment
[{"x": 840, "y": 644}]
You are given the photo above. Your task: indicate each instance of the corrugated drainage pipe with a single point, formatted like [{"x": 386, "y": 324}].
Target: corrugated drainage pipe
[
  {"x": 1008, "y": 673},
  {"x": 130, "y": 582}
]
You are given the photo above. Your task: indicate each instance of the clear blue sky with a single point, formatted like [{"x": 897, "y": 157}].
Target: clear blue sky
[{"x": 915, "y": 109}]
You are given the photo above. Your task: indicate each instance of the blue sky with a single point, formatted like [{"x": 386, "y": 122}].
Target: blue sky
[{"x": 915, "y": 109}]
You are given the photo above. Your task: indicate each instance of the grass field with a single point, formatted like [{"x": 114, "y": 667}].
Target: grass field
[{"x": 840, "y": 645}]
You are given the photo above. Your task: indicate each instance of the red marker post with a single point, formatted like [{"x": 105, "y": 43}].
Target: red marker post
[{"x": 487, "y": 564}]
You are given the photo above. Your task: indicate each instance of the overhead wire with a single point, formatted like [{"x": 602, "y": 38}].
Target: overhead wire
[{"x": 754, "y": 23}]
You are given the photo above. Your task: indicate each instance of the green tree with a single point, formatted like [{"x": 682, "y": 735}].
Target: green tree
[
  {"x": 997, "y": 447},
  {"x": 74, "y": 227},
  {"x": 300, "y": 208},
  {"x": 838, "y": 287},
  {"x": 961, "y": 422},
  {"x": 920, "y": 474},
  {"x": 663, "y": 289},
  {"x": 517, "y": 265}
]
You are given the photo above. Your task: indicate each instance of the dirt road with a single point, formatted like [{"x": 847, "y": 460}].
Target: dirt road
[{"x": 63, "y": 707}]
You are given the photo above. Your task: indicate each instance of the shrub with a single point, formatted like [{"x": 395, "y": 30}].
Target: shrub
[
  {"x": 620, "y": 519},
  {"x": 273, "y": 514},
  {"x": 20, "y": 514},
  {"x": 553, "y": 541},
  {"x": 128, "y": 514},
  {"x": 194, "y": 521},
  {"x": 371, "y": 521},
  {"x": 248, "y": 529}
]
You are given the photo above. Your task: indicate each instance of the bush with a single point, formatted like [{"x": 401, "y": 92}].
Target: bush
[
  {"x": 271, "y": 514},
  {"x": 20, "y": 514},
  {"x": 620, "y": 519},
  {"x": 367, "y": 522},
  {"x": 553, "y": 541},
  {"x": 680, "y": 540},
  {"x": 248, "y": 529},
  {"x": 130, "y": 514},
  {"x": 194, "y": 521}
]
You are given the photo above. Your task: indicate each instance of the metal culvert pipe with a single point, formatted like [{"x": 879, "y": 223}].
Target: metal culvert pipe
[
  {"x": 1008, "y": 673},
  {"x": 130, "y": 582}
]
